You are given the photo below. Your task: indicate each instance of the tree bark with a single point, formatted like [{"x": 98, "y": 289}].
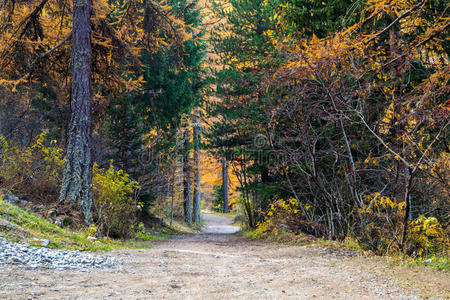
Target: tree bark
[
  {"x": 187, "y": 178},
  {"x": 77, "y": 181},
  {"x": 225, "y": 184},
  {"x": 407, "y": 208},
  {"x": 197, "y": 186}
]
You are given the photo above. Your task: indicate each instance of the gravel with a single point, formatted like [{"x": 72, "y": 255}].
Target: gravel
[{"x": 40, "y": 257}]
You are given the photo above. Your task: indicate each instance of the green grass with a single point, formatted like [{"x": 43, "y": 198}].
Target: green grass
[
  {"x": 181, "y": 227},
  {"x": 441, "y": 263},
  {"x": 30, "y": 226}
]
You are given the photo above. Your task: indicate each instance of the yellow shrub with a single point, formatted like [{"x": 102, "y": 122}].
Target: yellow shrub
[
  {"x": 278, "y": 213},
  {"x": 35, "y": 170},
  {"x": 114, "y": 201},
  {"x": 382, "y": 230},
  {"x": 381, "y": 223},
  {"x": 426, "y": 236}
]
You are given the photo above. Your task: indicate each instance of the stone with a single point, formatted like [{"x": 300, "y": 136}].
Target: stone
[
  {"x": 35, "y": 258},
  {"x": 10, "y": 198},
  {"x": 8, "y": 224},
  {"x": 37, "y": 207},
  {"x": 41, "y": 242},
  {"x": 92, "y": 238}
]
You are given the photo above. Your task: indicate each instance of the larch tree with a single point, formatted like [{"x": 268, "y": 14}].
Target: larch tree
[
  {"x": 102, "y": 41},
  {"x": 77, "y": 181}
]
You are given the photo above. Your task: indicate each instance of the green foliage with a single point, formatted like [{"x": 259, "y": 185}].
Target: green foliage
[
  {"x": 114, "y": 200},
  {"x": 311, "y": 17},
  {"x": 141, "y": 127},
  {"x": 441, "y": 263},
  {"x": 218, "y": 197}
]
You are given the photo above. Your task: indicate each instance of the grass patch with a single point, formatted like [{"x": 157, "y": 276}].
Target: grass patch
[
  {"x": 19, "y": 225},
  {"x": 181, "y": 227},
  {"x": 440, "y": 263},
  {"x": 279, "y": 236}
]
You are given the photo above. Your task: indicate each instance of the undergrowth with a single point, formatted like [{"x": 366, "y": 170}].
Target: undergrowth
[{"x": 27, "y": 227}]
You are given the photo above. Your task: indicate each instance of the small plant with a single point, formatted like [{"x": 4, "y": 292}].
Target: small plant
[
  {"x": 92, "y": 230},
  {"x": 142, "y": 234},
  {"x": 381, "y": 218}
]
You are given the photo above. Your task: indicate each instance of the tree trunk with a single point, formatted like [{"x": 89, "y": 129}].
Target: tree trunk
[
  {"x": 187, "y": 178},
  {"x": 197, "y": 186},
  {"x": 225, "y": 184},
  {"x": 77, "y": 181},
  {"x": 407, "y": 208}
]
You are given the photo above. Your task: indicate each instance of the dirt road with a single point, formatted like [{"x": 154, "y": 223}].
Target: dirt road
[{"x": 214, "y": 265}]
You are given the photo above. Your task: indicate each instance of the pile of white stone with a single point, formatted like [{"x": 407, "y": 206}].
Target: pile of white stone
[{"x": 40, "y": 257}]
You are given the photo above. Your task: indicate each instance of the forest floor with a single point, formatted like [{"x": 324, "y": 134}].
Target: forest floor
[{"x": 220, "y": 264}]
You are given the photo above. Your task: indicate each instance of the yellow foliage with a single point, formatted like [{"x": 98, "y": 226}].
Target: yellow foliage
[
  {"x": 114, "y": 200},
  {"x": 427, "y": 236},
  {"x": 36, "y": 166},
  {"x": 279, "y": 212}
]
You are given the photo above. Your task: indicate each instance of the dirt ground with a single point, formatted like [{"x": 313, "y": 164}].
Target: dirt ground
[{"x": 214, "y": 265}]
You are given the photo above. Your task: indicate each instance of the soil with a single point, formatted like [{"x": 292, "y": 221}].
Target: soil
[{"x": 221, "y": 264}]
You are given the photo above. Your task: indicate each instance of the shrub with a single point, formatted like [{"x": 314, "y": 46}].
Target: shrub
[
  {"x": 114, "y": 201},
  {"x": 279, "y": 214},
  {"x": 426, "y": 237},
  {"x": 382, "y": 227},
  {"x": 381, "y": 223},
  {"x": 34, "y": 171}
]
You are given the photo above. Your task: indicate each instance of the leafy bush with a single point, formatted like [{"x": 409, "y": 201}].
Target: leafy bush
[
  {"x": 381, "y": 223},
  {"x": 426, "y": 237},
  {"x": 279, "y": 214},
  {"x": 382, "y": 220},
  {"x": 114, "y": 201},
  {"x": 34, "y": 171}
]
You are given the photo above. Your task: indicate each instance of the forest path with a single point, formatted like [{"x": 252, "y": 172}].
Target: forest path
[
  {"x": 218, "y": 224},
  {"x": 227, "y": 266}
]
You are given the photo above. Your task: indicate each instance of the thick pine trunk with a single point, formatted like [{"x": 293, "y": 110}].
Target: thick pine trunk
[
  {"x": 197, "y": 186},
  {"x": 187, "y": 179},
  {"x": 77, "y": 182},
  {"x": 225, "y": 184}
]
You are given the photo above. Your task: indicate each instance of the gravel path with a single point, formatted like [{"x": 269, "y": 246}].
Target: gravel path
[
  {"x": 226, "y": 266},
  {"x": 218, "y": 224}
]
